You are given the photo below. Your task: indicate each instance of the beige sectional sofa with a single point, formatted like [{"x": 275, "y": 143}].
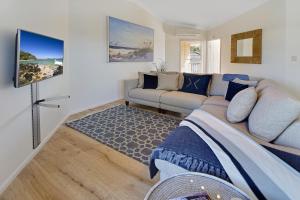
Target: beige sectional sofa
[
  {"x": 215, "y": 104},
  {"x": 177, "y": 101}
]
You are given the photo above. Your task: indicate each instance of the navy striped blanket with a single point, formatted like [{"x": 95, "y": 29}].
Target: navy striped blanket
[{"x": 225, "y": 152}]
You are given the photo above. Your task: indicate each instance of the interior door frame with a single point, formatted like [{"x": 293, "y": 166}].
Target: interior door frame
[
  {"x": 190, "y": 40},
  {"x": 220, "y": 52}
]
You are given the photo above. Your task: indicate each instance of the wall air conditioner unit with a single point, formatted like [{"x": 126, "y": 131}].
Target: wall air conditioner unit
[{"x": 188, "y": 34}]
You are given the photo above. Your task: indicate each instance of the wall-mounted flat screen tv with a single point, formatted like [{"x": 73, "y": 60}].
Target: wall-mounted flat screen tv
[{"x": 38, "y": 57}]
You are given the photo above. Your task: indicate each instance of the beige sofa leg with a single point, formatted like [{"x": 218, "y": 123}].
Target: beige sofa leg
[{"x": 127, "y": 103}]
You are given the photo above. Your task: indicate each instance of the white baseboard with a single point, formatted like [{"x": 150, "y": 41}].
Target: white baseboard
[
  {"x": 12, "y": 177},
  {"x": 92, "y": 106}
]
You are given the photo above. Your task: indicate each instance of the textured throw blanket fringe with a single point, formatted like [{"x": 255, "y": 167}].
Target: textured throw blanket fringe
[{"x": 189, "y": 163}]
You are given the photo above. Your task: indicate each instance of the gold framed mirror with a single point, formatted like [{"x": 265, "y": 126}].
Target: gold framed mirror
[{"x": 247, "y": 47}]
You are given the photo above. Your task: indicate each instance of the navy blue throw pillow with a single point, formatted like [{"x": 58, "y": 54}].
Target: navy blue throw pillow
[
  {"x": 150, "y": 81},
  {"x": 233, "y": 89},
  {"x": 197, "y": 84}
]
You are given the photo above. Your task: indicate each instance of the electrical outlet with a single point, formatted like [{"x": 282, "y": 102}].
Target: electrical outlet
[{"x": 294, "y": 58}]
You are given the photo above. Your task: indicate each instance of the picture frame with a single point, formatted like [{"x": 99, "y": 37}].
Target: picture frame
[{"x": 129, "y": 42}]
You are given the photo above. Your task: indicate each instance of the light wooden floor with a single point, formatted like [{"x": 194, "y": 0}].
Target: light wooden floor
[{"x": 74, "y": 166}]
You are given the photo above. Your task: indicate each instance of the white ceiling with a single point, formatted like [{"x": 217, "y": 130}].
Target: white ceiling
[{"x": 201, "y": 14}]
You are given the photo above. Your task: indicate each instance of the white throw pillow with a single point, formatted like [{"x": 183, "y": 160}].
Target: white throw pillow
[
  {"x": 243, "y": 82},
  {"x": 241, "y": 105},
  {"x": 167, "y": 81},
  {"x": 291, "y": 136},
  {"x": 273, "y": 113}
]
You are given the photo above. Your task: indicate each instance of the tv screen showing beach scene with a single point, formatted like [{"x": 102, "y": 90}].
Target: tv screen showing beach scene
[
  {"x": 129, "y": 42},
  {"x": 39, "y": 57}
]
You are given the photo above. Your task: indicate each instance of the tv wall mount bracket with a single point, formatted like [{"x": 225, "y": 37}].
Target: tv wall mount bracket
[{"x": 36, "y": 104}]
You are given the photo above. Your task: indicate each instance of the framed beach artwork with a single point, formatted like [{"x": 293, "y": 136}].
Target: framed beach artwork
[{"x": 129, "y": 42}]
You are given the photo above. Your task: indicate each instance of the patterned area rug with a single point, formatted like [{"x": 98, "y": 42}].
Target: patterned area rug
[{"x": 132, "y": 131}]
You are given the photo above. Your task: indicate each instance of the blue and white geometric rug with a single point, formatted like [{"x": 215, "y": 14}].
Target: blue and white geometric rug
[{"x": 129, "y": 130}]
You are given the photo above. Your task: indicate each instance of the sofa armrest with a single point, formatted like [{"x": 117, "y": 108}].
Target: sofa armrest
[{"x": 129, "y": 85}]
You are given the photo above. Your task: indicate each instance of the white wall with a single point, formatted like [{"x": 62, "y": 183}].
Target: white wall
[
  {"x": 293, "y": 46},
  {"x": 280, "y": 24},
  {"x": 93, "y": 80},
  {"x": 173, "y": 38},
  {"x": 42, "y": 16}
]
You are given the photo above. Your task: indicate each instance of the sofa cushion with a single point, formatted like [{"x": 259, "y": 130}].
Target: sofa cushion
[
  {"x": 195, "y": 83},
  {"x": 167, "y": 81},
  {"x": 291, "y": 136},
  {"x": 217, "y": 111},
  {"x": 146, "y": 94},
  {"x": 183, "y": 99},
  {"x": 273, "y": 113},
  {"x": 263, "y": 84},
  {"x": 218, "y": 86},
  {"x": 233, "y": 89},
  {"x": 241, "y": 105},
  {"x": 216, "y": 100},
  {"x": 220, "y": 113}
]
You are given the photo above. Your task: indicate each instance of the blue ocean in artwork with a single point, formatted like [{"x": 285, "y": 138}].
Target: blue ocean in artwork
[
  {"x": 40, "y": 57},
  {"x": 130, "y": 42}
]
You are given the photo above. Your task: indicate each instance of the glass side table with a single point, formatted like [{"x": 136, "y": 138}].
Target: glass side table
[{"x": 191, "y": 183}]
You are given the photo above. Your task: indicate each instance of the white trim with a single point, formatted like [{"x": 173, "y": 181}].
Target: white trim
[
  {"x": 192, "y": 39},
  {"x": 96, "y": 111},
  {"x": 94, "y": 106},
  {"x": 27, "y": 160}
]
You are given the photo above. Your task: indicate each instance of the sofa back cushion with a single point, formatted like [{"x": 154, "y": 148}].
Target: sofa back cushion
[
  {"x": 273, "y": 113},
  {"x": 167, "y": 81},
  {"x": 218, "y": 87},
  {"x": 291, "y": 136},
  {"x": 264, "y": 84},
  {"x": 196, "y": 84}
]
